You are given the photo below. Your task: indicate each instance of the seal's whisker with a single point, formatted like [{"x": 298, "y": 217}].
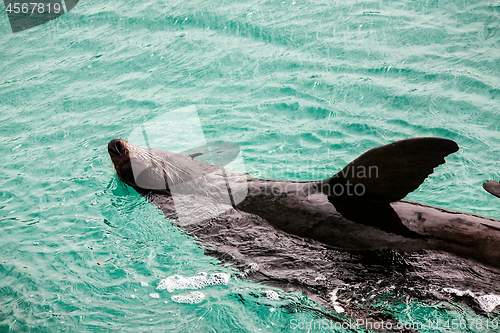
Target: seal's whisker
[{"x": 172, "y": 171}]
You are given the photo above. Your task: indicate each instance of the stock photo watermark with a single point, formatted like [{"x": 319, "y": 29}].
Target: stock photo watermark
[
  {"x": 199, "y": 190},
  {"x": 24, "y": 15},
  {"x": 362, "y": 324},
  {"x": 207, "y": 178}
]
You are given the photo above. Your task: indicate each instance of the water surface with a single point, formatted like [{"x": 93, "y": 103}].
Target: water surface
[{"x": 303, "y": 87}]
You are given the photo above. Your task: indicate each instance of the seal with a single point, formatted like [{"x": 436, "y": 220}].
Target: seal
[
  {"x": 351, "y": 233},
  {"x": 492, "y": 187},
  {"x": 359, "y": 208}
]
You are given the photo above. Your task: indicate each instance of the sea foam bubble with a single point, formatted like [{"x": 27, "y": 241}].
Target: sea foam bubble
[
  {"x": 194, "y": 297},
  {"x": 202, "y": 280}
]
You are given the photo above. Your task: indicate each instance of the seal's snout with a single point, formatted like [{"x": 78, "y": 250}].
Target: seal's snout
[
  {"x": 116, "y": 147},
  {"x": 138, "y": 167},
  {"x": 118, "y": 150}
]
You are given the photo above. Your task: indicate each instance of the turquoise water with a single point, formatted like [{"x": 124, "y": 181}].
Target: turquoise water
[{"x": 303, "y": 87}]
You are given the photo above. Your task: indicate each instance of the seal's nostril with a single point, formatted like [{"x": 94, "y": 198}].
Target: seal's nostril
[
  {"x": 115, "y": 147},
  {"x": 118, "y": 147}
]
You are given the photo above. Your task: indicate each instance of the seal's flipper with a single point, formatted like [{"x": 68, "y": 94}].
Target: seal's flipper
[
  {"x": 203, "y": 151},
  {"x": 217, "y": 153},
  {"x": 388, "y": 173},
  {"x": 364, "y": 189},
  {"x": 195, "y": 155},
  {"x": 372, "y": 213},
  {"x": 492, "y": 187}
]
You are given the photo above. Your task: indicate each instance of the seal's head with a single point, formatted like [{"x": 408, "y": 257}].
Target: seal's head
[
  {"x": 119, "y": 151},
  {"x": 148, "y": 169}
]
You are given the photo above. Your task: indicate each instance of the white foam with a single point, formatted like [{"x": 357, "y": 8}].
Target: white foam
[
  {"x": 253, "y": 266},
  {"x": 194, "y": 297},
  {"x": 144, "y": 284},
  {"x": 272, "y": 294},
  {"x": 333, "y": 299},
  {"x": 487, "y": 303},
  {"x": 154, "y": 295},
  {"x": 460, "y": 293},
  {"x": 179, "y": 282}
]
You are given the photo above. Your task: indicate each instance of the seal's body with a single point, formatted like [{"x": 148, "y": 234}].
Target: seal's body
[
  {"x": 370, "y": 216},
  {"x": 492, "y": 187}
]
